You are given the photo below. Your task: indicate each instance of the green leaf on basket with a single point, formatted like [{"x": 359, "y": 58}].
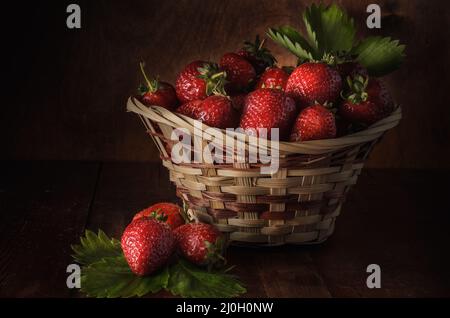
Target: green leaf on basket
[
  {"x": 187, "y": 280},
  {"x": 95, "y": 247},
  {"x": 111, "y": 277},
  {"x": 379, "y": 55},
  {"x": 329, "y": 29},
  {"x": 289, "y": 38}
]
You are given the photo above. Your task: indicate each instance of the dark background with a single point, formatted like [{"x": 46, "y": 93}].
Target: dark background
[{"x": 65, "y": 90}]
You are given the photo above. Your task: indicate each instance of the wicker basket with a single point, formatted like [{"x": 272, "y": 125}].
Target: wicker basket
[{"x": 296, "y": 205}]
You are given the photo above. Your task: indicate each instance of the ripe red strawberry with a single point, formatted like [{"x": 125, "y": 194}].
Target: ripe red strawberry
[
  {"x": 351, "y": 69},
  {"x": 147, "y": 245},
  {"x": 259, "y": 56},
  {"x": 198, "y": 80},
  {"x": 157, "y": 93},
  {"x": 239, "y": 72},
  {"x": 269, "y": 108},
  {"x": 313, "y": 123},
  {"x": 368, "y": 102},
  {"x": 238, "y": 101},
  {"x": 218, "y": 111},
  {"x": 190, "y": 109},
  {"x": 273, "y": 77},
  {"x": 215, "y": 111},
  {"x": 314, "y": 82},
  {"x": 164, "y": 212},
  {"x": 201, "y": 244}
]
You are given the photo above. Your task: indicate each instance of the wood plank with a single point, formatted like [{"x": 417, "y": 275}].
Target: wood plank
[
  {"x": 398, "y": 219},
  {"x": 44, "y": 208}
]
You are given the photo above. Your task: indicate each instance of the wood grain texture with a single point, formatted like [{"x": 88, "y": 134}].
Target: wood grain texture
[
  {"x": 396, "y": 218},
  {"x": 67, "y": 88}
]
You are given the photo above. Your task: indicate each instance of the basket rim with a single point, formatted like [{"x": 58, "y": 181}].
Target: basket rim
[{"x": 164, "y": 116}]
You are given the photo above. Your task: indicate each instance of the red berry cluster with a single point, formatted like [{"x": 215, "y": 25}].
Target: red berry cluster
[
  {"x": 315, "y": 100},
  {"x": 156, "y": 233}
]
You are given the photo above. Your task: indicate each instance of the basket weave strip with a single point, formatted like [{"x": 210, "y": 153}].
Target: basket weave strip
[{"x": 296, "y": 205}]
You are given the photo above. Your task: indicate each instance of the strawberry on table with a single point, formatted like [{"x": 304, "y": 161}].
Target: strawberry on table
[
  {"x": 273, "y": 77},
  {"x": 201, "y": 244},
  {"x": 367, "y": 102},
  {"x": 147, "y": 245},
  {"x": 314, "y": 82},
  {"x": 165, "y": 212},
  {"x": 269, "y": 108},
  {"x": 239, "y": 72},
  {"x": 313, "y": 123},
  {"x": 259, "y": 56},
  {"x": 158, "y": 93},
  {"x": 198, "y": 80}
]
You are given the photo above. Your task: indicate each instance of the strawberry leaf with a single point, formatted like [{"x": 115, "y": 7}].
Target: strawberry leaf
[
  {"x": 111, "y": 277},
  {"x": 95, "y": 247},
  {"x": 187, "y": 280},
  {"x": 379, "y": 55},
  {"x": 329, "y": 29},
  {"x": 293, "y": 41}
]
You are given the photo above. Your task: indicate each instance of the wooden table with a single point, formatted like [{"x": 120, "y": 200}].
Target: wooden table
[{"x": 398, "y": 219}]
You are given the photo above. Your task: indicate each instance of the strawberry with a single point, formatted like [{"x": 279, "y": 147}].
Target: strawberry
[
  {"x": 351, "y": 69},
  {"x": 313, "y": 123},
  {"x": 239, "y": 72},
  {"x": 268, "y": 108},
  {"x": 215, "y": 111},
  {"x": 198, "y": 80},
  {"x": 201, "y": 244},
  {"x": 238, "y": 101},
  {"x": 368, "y": 102},
  {"x": 218, "y": 111},
  {"x": 259, "y": 56},
  {"x": 190, "y": 109},
  {"x": 314, "y": 82},
  {"x": 147, "y": 245},
  {"x": 273, "y": 77},
  {"x": 164, "y": 212},
  {"x": 157, "y": 93}
]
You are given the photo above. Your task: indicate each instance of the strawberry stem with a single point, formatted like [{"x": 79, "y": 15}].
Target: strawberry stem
[{"x": 152, "y": 85}]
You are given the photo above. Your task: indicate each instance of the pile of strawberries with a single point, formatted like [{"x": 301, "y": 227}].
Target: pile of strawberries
[
  {"x": 315, "y": 100},
  {"x": 157, "y": 233}
]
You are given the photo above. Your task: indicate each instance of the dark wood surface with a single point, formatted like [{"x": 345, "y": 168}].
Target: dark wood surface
[
  {"x": 66, "y": 89},
  {"x": 398, "y": 219}
]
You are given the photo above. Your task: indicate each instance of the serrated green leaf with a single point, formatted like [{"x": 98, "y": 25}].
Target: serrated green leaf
[
  {"x": 95, "y": 247},
  {"x": 293, "y": 41},
  {"x": 187, "y": 280},
  {"x": 379, "y": 55},
  {"x": 111, "y": 278},
  {"x": 329, "y": 29}
]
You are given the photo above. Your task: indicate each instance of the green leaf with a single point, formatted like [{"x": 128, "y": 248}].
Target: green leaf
[
  {"x": 293, "y": 41},
  {"x": 329, "y": 29},
  {"x": 187, "y": 280},
  {"x": 379, "y": 55},
  {"x": 111, "y": 277},
  {"x": 95, "y": 247}
]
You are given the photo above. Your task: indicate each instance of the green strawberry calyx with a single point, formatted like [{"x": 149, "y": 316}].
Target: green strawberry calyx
[
  {"x": 158, "y": 215},
  {"x": 357, "y": 87},
  {"x": 260, "y": 52},
  {"x": 214, "y": 255},
  {"x": 151, "y": 85},
  {"x": 215, "y": 79}
]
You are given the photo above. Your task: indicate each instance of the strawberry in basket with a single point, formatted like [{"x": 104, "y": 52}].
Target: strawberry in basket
[
  {"x": 367, "y": 102},
  {"x": 259, "y": 56},
  {"x": 273, "y": 77},
  {"x": 268, "y": 108},
  {"x": 157, "y": 93},
  {"x": 198, "y": 80},
  {"x": 240, "y": 74},
  {"x": 313, "y": 123}
]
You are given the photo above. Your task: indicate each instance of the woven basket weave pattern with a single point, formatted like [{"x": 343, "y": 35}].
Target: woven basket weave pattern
[{"x": 296, "y": 205}]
